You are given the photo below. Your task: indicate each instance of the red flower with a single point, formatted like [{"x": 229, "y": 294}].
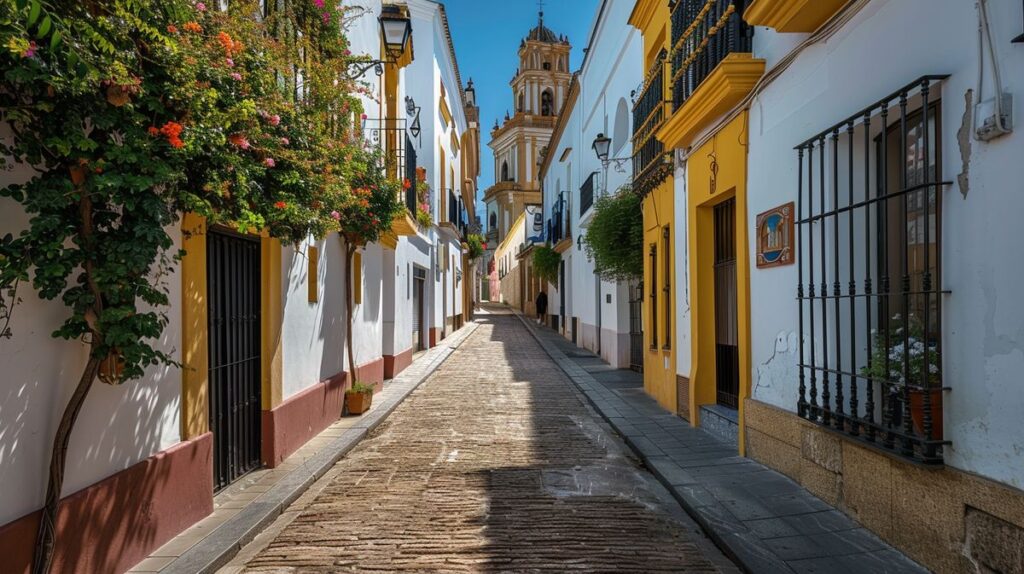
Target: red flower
[
  {"x": 153, "y": 131},
  {"x": 172, "y": 28},
  {"x": 280, "y": 205},
  {"x": 406, "y": 184},
  {"x": 193, "y": 27},
  {"x": 171, "y": 130}
]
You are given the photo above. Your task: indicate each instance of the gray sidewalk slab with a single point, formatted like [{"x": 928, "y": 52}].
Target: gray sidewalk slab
[{"x": 761, "y": 518}]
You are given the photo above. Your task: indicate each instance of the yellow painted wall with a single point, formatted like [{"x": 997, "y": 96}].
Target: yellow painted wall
[
  {"x": 707, "y": 188},
  {"x": 659, "y": 360},
  {"x": 195, "y": 372}
]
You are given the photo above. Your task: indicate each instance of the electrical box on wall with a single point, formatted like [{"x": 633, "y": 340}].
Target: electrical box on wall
[{"x": 989, "y": 127}]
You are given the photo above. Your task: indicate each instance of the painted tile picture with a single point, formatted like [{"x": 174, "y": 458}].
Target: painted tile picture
[{"x": 775, "y": 237}]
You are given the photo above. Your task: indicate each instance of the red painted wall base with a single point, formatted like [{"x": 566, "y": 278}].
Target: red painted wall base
[{"x": 112, "y": 525}]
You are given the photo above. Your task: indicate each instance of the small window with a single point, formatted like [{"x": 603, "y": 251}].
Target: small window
[
  {"x": 547, "y": 65},
  {"x": 504, "y": 171},
  {"x": 547, "y": 104}
]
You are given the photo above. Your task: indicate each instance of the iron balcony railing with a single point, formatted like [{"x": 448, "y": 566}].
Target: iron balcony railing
[
  {"x": 650, "y": 110},
  {"x": 558, "y": 223},
  {"x": 411, "y": 198},
  {"x": 869, "y": 252},
  {"x": 704, "y": 32}
]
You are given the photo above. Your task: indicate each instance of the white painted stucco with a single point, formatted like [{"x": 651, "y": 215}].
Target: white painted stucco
[{"x": 886, "y": 46}]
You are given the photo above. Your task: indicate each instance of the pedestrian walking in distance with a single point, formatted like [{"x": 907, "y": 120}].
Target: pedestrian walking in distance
[{"x": 542, "y": 305}]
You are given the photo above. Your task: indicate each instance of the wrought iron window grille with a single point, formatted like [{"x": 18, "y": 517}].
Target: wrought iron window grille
[{"x": 869, "y": 235}]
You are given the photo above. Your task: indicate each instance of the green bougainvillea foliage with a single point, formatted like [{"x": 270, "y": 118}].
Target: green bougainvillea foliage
[{"x": 615, "y": 236}]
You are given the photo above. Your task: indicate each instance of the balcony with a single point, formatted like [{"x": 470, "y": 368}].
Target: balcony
[
  {"x": 651, "y": 163},
  {"x": 792, "y": 15},
  {"x": 712, "y": 68},
  {"x": 389, "y": 136},
  {"x": 558, "y": 231}
]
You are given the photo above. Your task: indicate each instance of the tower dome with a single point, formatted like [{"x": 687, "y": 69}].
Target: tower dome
[{"x": 542, "y": 33}]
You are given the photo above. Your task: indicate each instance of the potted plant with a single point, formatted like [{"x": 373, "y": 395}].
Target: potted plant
[
  {"x": 921, "y": 351},
  {"x": 359, "y": 398},
  {"x": 423, "y": 217}
]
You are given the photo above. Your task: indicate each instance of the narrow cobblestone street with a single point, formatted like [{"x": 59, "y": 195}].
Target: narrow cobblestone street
[{"x": 494, "y": 464}]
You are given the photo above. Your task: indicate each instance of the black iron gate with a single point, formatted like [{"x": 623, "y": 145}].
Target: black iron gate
[
  {"x": 233, "y": 283},
  {"x": 727, "y": 356},
  {"x": 636, "y": 326}
]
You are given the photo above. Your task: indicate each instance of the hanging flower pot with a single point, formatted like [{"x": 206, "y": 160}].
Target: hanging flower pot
[
  {"x": 117, "y": 96},
  {"x": 111, "y": 369},
  {"x": 77, "y": 174}
]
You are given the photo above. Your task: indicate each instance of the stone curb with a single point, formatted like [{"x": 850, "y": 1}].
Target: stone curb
[
  {"x": 731, "y": 537},
  {"x": 217, "y": 549}
]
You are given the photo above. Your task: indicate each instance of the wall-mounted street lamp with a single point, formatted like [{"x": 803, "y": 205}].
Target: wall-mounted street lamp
[
  {"x": 602, "y": 145},
  {"x": 413, "y": 111},
  {"x": 396, "y": 31},
  {"x": 579, "y": 242}
]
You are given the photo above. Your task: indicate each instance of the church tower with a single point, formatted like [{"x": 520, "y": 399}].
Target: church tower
[{"x": 539, "y": 90}]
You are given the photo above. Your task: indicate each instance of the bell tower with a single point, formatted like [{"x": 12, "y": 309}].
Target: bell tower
[{"x": 539, "y": 90}]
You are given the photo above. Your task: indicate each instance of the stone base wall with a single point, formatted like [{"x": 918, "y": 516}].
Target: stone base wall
[{"x": 948, "y": 520}]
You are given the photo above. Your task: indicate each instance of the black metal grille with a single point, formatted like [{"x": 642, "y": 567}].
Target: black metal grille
[
  {"x": 389, "y": 136},
  {"x": 636, "y": 326},
  {"x": 727, "y": 356},
  {"x": 704, "y": 32},
  {"x": 558, "y": 224},
  {"x": 587, "y": 193},
  {"x": 870, "y": 207},
  {"x": 233, "y": 283},
  {"x": 651, "y": 163},
  {"x": 410, "y": 175}
]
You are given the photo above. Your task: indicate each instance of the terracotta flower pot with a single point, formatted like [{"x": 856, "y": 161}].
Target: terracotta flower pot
[
  {"x": 917, "y": 411},
  {"x": 358, "y": 403},
  {"x": 111, "y": 369}
]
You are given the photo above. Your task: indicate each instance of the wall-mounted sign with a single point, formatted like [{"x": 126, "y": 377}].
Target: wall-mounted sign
[{"x": 775, "y": 237}]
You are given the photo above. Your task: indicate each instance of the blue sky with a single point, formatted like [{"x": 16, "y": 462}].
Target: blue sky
[{"x": 487, "y": 35}]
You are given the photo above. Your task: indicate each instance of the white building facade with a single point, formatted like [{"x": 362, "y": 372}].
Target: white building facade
[
  {"x": 148, "y": 455},
  {"x": 586, "y": 309}
]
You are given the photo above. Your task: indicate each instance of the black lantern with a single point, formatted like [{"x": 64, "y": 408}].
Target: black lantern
[
  {"x": 396, "y": 30},
  {"x": 470, "y": 94},
  {"x": 601, "y": 146}
]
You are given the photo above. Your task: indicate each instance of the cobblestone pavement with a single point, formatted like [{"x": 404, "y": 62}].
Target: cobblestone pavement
[{"x": 493, "y": 465}]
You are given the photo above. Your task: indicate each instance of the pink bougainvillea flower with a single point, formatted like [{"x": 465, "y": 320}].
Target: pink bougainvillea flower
[
  {"x": 274, "y": 119},
  {"x": 348, "y": 52},
  {"x": 200, "y": 6},
  {"x": 230, "y": 62},
  {"x": 30, "y": 51},
  {"x": 335, "y": 216},
  {"x": 362, "y": 117},
  {"x": 236, "y": 76},
  {"x": 280, "y": 205},
  {"x": 285, "y": 141},
  {"x": 269, "y": 162},
  {"x": 318, "y": 3}
]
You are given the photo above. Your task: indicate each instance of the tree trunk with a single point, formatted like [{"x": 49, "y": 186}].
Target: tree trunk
[{"x": 47, "y": 536}]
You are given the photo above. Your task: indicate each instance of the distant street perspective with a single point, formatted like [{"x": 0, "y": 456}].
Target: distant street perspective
[{"x": 516, "y": 286}]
